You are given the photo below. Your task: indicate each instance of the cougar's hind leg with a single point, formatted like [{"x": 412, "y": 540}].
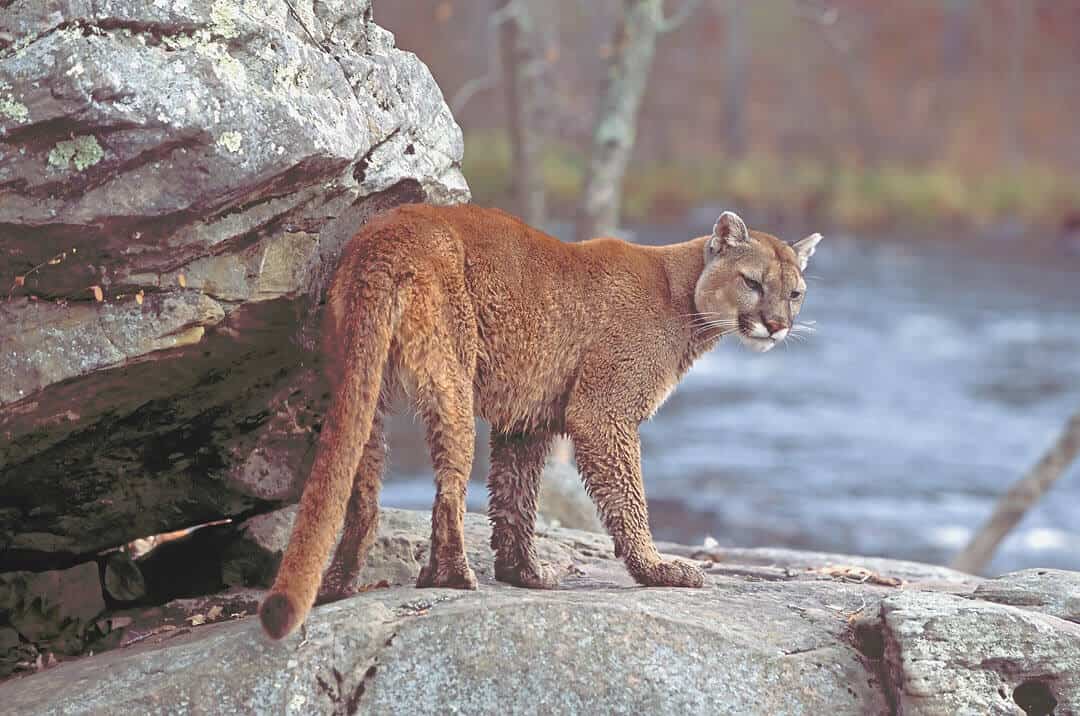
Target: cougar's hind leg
[
  {"x": 446, "y": 405},
  {"x": 517, "y": 463},
  {"x": 361, "y": 519}
]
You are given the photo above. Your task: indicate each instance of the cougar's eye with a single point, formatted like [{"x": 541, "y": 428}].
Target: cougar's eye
[
  {"x": 752, "y": 284},
  {"x": 796, "y": 295}
]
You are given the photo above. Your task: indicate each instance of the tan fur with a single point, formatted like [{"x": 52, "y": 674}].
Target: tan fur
[{"x": 478, "y": 314}]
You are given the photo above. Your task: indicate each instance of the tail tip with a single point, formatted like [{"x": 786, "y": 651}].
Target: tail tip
[{"x": 278, "y": 615}]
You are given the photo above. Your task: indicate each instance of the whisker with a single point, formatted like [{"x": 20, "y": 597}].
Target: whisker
[
  {"x": 723, "y": 330},
  {"x": 714, "y": 323}
]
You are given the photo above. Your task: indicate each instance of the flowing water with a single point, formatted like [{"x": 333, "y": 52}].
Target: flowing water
[{"x": 934, "y": 381}]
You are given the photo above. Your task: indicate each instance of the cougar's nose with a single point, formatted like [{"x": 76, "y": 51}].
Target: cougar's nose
[{"x": 774, "y": 325}]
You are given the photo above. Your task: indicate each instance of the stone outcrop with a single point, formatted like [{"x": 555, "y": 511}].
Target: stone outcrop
[
  {"x": 176, "y": 181},
  {"x": 773, "y": 631}
]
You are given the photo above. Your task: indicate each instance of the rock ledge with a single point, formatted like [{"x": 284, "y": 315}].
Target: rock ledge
[{"x": 774, "y": 631}]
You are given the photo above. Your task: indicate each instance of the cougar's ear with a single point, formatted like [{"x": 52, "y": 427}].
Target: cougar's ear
[
  {"x": 729, "y": 230},
  {"x": 804, "y": 249}
]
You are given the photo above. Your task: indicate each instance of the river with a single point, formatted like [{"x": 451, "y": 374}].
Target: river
[{"x": 938, "y": 374}]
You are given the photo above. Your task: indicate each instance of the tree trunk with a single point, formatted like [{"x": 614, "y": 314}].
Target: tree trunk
[
  {"x": 735, "y": 82},
  {"x": 613, "y": 135},
  {"x": 1019, "y": 499},
  {"x": 1013, "y": 104},
  {"x": 519, "y": 80}
]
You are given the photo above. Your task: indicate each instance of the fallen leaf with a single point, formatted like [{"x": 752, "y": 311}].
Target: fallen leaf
[
  {"x": 98, "y": 295},
  {"x": 20, "y": 280},
  {"x": 214, "y": 613},
  {"x": 197, "y": 619},
  {"x": 139, "y": 297},
  {"x": 182, "y": 280},
  {"x": 849, "y": 573}
]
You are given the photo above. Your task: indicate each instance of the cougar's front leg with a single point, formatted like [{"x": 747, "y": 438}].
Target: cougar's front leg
[
  {"x": 609, "y": 458},
  {"x": 517, "y": 463}
]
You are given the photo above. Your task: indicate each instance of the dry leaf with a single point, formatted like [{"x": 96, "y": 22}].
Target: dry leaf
[
  {"x": 139, "y": 297},
  {"x": 214, "y": 613},
  {"x": 861, "y": 575},
  {"x": 182, "y": 280},
  {"x": 98, "y": 295},
  {"x": 197, "y": 619},
  {"x": 20, "y": 280},
  {"x": 381, "y": 584}
]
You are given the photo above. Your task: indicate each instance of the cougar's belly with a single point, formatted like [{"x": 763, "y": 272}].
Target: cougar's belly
[{"x": 521, "y": 394}]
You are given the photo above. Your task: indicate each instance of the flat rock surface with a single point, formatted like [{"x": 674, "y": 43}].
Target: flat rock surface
[{"x": 798, "y": 634}]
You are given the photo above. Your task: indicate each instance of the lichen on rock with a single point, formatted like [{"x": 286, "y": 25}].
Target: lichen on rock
[{"x": 83, "y": 152}]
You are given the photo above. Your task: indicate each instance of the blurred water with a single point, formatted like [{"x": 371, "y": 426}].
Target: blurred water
[{"x": 935, "y": 379}]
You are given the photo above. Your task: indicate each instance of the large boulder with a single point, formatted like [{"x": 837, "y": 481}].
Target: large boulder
[
  {"x": 176, "y": 182},
  {"x": 772, "y": 632}
]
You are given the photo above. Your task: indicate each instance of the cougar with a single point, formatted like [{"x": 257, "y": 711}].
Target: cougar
[{"x": 472, "y": 313}]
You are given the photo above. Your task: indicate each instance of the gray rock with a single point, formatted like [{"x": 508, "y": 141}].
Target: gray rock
[
  {"x": 947, "y": 654},
  {"x": 812, "y": 636},
  {"x": 54, "y": 609},
  {"x": 123, "y": 580},
  {"x": 1051, "y": 591},
  {"x": 563, "y": 501},
  {"x": 201, "y": 163},
  {"x": 252, "y": 558}
]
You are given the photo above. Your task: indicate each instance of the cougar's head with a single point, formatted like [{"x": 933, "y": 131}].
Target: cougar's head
[{"x": 752, "y": 283}]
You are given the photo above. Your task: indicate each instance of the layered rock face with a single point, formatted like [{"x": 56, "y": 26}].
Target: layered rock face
[
  {"x": 772, "y": 632},
  {"x": 176, "y": 182}
]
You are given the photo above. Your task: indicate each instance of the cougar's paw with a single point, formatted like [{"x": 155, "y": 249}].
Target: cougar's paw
[
  {"x": 531, "y": 575},
  {"x": 335, "y": 587},
  {"x": 455, "y": 574},
  {"x": 675, "y": 573}
]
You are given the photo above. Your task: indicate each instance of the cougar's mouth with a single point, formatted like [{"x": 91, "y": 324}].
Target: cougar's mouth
[
  {"x": 754, "y": 335},
  {"x": 759, "y": 345}
]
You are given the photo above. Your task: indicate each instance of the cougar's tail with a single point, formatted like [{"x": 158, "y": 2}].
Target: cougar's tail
[{"x": 345, "y": 430}]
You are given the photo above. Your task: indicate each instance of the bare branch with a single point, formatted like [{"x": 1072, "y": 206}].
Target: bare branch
[
  {"x": 1015, "y": 503},
  {"x": 490, "y": 79},
  {"x": 815, "y": 12},
  {"x": 678, "y": 17}
]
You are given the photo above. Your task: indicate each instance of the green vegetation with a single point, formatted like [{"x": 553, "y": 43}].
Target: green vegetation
[{"x": 838, "y": 194}]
